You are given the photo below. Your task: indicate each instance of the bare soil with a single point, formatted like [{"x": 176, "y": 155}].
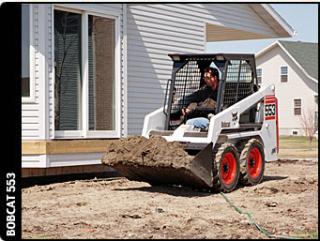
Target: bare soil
[{"x": 285, "y": 203}]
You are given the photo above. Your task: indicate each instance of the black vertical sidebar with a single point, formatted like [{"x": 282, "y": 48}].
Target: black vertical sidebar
[{"x": 10, "y": 161}]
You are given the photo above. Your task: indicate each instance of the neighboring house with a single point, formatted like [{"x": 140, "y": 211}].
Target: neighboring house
[
  {"x": 293, "y": 68},
  {"x": 91, "y": 72}
]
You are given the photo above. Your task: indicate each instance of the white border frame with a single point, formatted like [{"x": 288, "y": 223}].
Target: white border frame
[
  {"x": 31, "y": 98},
  {"x": 84, "y": 131}
]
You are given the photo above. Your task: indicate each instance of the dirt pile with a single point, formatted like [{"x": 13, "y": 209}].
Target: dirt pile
[
  {"x": 152, "y": 152},
  {"x": 156, "y": 161}
]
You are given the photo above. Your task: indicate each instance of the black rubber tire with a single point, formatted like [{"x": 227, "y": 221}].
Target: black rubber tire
[
  {"x": 218, "y": 183},
  {"x": 245, "y": 177}
]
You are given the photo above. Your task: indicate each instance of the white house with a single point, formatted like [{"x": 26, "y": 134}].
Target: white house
[
  {"x": 293, "y": 68},
  {"x": 91, "y": 72}
]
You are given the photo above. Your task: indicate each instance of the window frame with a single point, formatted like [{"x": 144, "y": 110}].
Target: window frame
[
  {"x": 295, "y": 107},
  {"x": 31, "y": 98},
  {"x": 282, "y": 75},
  {"x": 84, "y": 131}
]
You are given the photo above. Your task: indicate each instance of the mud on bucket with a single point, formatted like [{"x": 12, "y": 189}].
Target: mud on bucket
[{"x": 157, "y": 161}]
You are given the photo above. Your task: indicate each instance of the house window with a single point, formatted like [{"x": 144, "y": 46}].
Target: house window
[
  {"x": 68, "y": 78},
  {"x": 86, "y": 102},
  {"x": 259, "y": 75},
  {"x": 297, "y": 106},
  {"x": 25, "y": 51},
  {"x": 101, "y": 73},
  {"x": 284, "y": 74}
]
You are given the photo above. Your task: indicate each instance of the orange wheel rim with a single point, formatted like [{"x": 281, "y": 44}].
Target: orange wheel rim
[
  {"x": 228, "y": 168},
  {"x": 254, "y": 163}
]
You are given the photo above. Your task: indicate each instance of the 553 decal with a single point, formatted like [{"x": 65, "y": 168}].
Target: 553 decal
[{"x": 270, "y": 106}]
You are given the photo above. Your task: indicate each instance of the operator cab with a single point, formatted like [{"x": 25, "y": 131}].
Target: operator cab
[{"x": 237, "y": 80}]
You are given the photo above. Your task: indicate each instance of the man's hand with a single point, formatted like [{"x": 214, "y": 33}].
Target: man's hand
[
  {"x": 185, "y": 111},
  {"x": 191, "y": 107}
]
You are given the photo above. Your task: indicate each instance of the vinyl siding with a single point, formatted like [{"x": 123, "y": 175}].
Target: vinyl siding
[
  {"x": 30, "y": 161},
  {"x": 155, "y": 30},
  {"x": 50, "y": 72},
  {"x": 30, "y": 110}
]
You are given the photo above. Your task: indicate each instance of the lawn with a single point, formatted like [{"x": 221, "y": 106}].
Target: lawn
[
  {"x": 297, "y": 147},
  {"x": 297, "y": 142}
]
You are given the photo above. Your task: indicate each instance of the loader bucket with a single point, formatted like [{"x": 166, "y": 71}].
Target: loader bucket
[{"x": 194, "y": 171}]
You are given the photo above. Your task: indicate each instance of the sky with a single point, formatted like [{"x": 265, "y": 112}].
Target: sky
[{"x": 303, "y": 18}]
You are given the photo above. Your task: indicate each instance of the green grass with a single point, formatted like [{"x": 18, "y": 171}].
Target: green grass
[
  {"x": 297, "y": 142},
  {"x": 307, "y": 234}
]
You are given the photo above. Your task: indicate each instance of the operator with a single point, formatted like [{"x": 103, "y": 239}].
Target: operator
[{"x": 205, "y": 97}]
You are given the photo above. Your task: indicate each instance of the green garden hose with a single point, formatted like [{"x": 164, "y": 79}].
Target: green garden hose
[{"x": 251, "y": 220}]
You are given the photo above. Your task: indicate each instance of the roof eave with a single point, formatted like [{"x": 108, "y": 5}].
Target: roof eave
[
  {"x": 266, "y": 49},
  {"x": 272, "y": 18}
]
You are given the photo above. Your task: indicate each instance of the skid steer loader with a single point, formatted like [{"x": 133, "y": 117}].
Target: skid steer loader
[{"x": 242, "y": 132}]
